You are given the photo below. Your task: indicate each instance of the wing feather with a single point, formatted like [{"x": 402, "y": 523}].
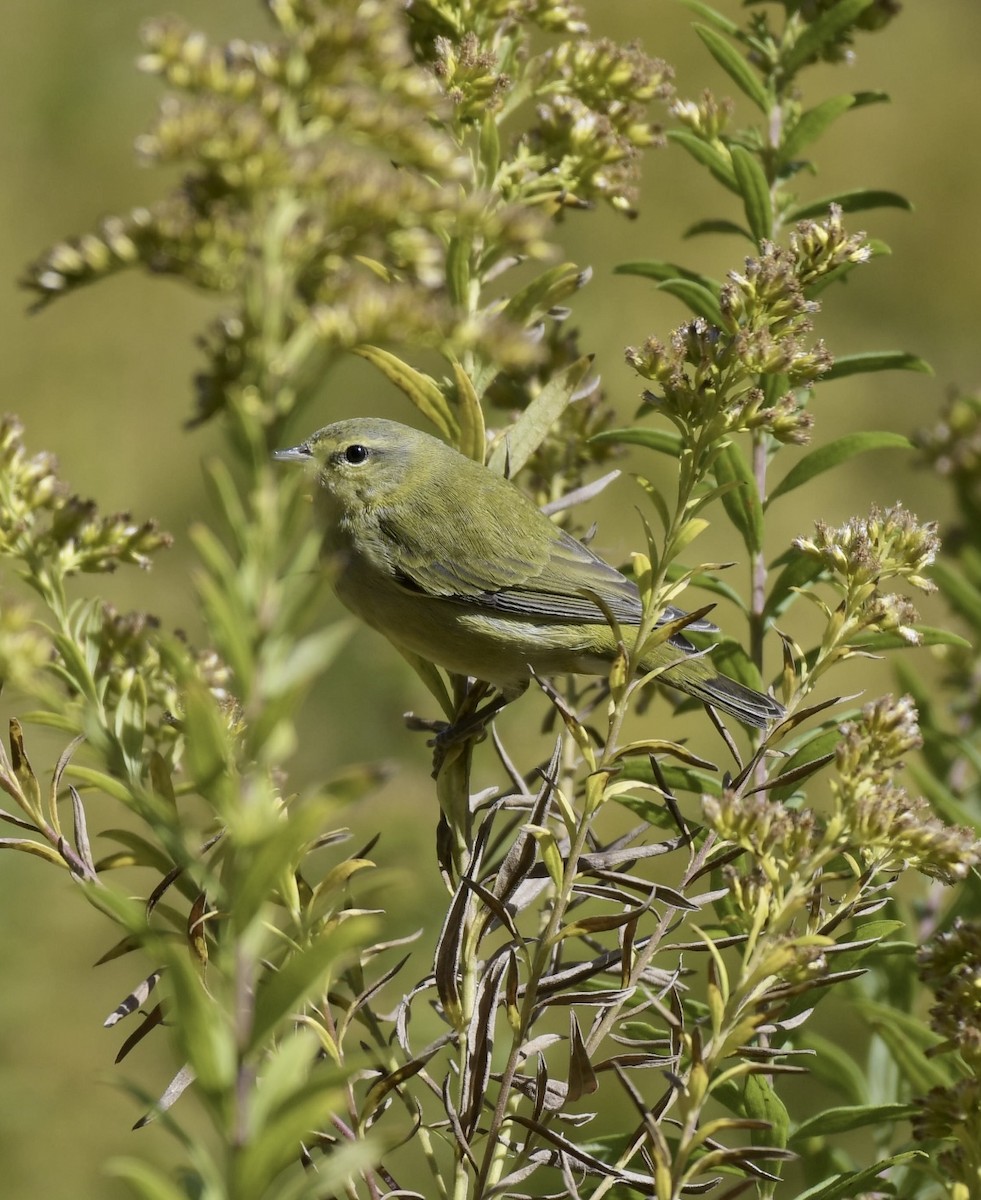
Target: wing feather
[{"x": 548, "y": 583}]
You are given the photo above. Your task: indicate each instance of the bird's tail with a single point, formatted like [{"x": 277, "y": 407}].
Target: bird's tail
[{"x": 699, "y": 678}]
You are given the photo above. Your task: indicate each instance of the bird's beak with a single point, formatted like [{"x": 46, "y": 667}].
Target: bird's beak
[{"x": 299, "y": 453}]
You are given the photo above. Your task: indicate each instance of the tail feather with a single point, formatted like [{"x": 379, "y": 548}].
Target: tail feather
[{"x": 699, "y": 679}]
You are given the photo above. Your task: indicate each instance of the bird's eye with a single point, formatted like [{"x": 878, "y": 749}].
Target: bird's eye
[{"x": 355, "y": 454}]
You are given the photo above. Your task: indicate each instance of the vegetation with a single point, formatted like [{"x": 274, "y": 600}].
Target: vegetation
[{"x": 610, "y": 1008}]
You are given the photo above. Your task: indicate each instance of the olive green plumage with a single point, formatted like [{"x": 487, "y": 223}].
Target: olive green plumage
[{"x": 452, "y": 562}]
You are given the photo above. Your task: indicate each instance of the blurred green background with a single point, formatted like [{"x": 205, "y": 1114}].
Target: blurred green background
[{"x": 103, "y": 380}]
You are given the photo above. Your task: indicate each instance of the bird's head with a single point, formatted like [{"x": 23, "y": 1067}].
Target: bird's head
[{"x": 363, "y": 462}]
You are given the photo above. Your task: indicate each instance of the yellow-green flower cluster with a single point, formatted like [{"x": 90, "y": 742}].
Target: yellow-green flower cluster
[
  {"x": 952, "y": 1115},
  {"x": 130, "y": 647},
  {"x": 885, "y": 825},
  {"x": 324, "y": 157},
  {"x": 802, "y": 14},
  {"x": 591, "y": 124},
  {"x": 951, "y": 965},
  {"x": 780, "y": 839},
  {"x": 861, "y": 555},
  {"x": 708, "y": 116},
  {"x": 45, "y": 526},
  {"x": 25, "y": 650},
  {"x": 953, "y": 448},
  {"x": 709, "y": 376},
  {"x": 470, "y": 76}
]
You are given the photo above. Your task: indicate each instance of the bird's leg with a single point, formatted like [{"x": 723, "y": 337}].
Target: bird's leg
[{"x": 469, "y": 722}]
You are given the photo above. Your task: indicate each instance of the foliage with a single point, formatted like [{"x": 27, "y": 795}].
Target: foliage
[{"x": 372, "y": 174}]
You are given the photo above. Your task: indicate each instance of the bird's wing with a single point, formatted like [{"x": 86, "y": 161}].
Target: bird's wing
[{"x": 554, "y": 581}]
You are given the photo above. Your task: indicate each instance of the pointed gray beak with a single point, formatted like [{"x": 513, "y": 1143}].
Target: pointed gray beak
[{"x": 299, "y": 453}]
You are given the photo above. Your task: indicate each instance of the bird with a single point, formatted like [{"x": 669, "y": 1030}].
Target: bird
[{"x": 454, "y": 563}]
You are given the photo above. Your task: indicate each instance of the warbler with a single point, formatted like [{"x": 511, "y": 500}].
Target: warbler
[{"x": 455, "y": 564}]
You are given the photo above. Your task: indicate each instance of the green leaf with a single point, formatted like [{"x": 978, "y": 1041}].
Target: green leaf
[
  {"x": 812, "y": 123},
  {"x": 820, "y": 34},
  {"x": 513, "y": 450},
  {"x": 755, "y": 191},
  {"x": 835, "y": 1066},
  {"x": 825, "y": 457},
  {"x": 707, "y": 583},
  {"x": 701, "y": 300},
  {"x": 202, "y": 1027},
  {"x": 469, "y": 414},
  {"x": 421, "y": 389},
  {"x": 305, "y": 660},
  {"x": 859, "y": 200},
  {"x": 852, "y": 1183},
  {"x": 663, "y": 440},
  {"x": 842, "y": 1120},
  {"x": 761, "y": 1103},
  {"x": 142, "y": 852},
  {"x": 962, "y": 596},
  {"x": 207, "y": 743},
  {"x": 928, "y": 636},
  {"x": 942, "y": 799},
  {"x": 715, "y": 19},
  {"x": 147, "y": 1181},
  {"x": 717, "y": 225},
  {"x": 736, "y": 67},
  {"x": 99, "y": 779},
  {"x": 717, "y": 161},
  {"x": 876, "y": 360},
  {"x": 285, "y": 990},
  {"x": 660, "y": 269},
  {"x": 29, "y": 846},
  {"x": 909, "y": 1042},
  {"x": 545, "y": 291},
  {"x": 742, "y": 503},
  {"x": 273, "y": 855},
  {"x": 130, "y": 726},
  {"x": 798, "y": 572},
  {"x": 813, "y": 748}
]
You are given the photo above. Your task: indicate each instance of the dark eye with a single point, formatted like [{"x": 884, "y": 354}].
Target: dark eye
[{"x": 355, "y": 454}]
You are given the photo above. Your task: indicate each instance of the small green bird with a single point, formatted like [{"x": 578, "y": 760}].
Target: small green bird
[{"x": 454, "y": 563}]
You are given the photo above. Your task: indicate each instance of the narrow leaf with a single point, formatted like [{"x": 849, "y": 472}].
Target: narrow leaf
[
  {"x": 552, "y": 286},
  {"x": 701, "y": 300},
  {"x": 858, "y": 1116},
  {"x": 813, "y": 123},
  {"x": 742, "y": 504},
  {"x": 524, "y": 437},
  {"x": 821, "y": 33},
  {"x": 470, "y": 416},
  {"x": 285, "y": 990},
  {"x": 825, "y": 457},
  {"x": 852, "y": 1183},
  {"x": 963, "y": 597},
  {"x": 859, "y": 200},
  {"x": 713, "y": 18},
  {"x": 717, "y": 225},
  {"x": 755, "y": 191},
  {"x": 663, "y": 440},
  {"x": 876, "y": 360},
  {"x": 147, "y": 1181},
  {"x": 927, "y": 635},
  {"x": 420, "y": 389},
  {"x": 708, "y": 155},
  {"x": 41, "y": 849},
  {"x": 660, "y": 269},
  {"x": 736, "y": 67},
  {"x": 799, "y": 571}
]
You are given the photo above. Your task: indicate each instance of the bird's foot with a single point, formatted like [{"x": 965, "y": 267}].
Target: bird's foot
[{"x": 448, "y": 735}]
